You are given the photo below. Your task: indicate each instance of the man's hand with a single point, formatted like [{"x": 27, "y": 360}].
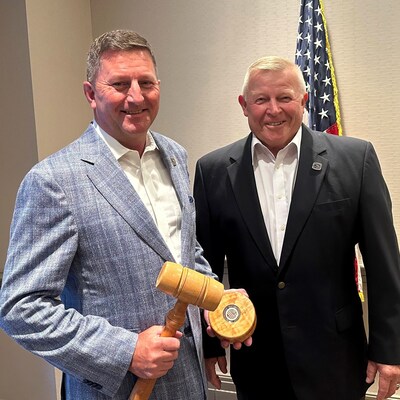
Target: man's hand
[
  {"x": 225, "y": 343},
  {"x": 389, "y": 378},
  {"x": 211, "y": 372},
  {"x": 154, "y": 355}
]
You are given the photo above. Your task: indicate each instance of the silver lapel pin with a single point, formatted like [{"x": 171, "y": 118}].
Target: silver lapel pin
[{"x": 317, "y": 166}]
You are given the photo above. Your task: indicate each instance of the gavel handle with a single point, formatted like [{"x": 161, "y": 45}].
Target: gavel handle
[{"x": 174, "y": 320}]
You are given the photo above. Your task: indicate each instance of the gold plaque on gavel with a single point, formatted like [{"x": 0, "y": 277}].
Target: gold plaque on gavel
[{"x": 235, "y": 318}]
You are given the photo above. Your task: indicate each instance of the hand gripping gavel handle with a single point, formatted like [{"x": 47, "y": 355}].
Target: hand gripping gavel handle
[
  {"x": 174, "y": 320},
  {"x": 189, "y": 287}
]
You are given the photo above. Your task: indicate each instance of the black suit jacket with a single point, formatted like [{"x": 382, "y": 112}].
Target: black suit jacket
[{"x": 309, "y": 314}]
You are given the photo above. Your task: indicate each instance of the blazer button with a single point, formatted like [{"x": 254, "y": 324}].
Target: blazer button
[{"x": 281, "y": 285}]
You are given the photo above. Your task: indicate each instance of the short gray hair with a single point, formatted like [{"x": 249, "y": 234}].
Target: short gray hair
[
  {"x": 118, "y": 40},
  {"x": 273, "y": 63}
]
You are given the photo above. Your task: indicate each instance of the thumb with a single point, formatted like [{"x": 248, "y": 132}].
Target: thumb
[{"x": 372, "y": 369}]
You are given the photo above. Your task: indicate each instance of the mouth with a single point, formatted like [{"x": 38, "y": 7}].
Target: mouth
[
  {"x": 127, "y": 112},
  {"x": 274, "y": 123}
]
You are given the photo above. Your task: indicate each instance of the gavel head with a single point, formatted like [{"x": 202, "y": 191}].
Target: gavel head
[{"x": 190, "y": 286}]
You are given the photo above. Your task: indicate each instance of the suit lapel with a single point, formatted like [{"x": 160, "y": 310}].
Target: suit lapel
[
  {"x": 311, "y": 171},
  {"x": 111, "y": 182},
  {"x": 244, "y": 189}
]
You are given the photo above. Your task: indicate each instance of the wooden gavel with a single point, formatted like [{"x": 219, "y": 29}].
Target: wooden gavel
[{"x": 189, "y": 287}]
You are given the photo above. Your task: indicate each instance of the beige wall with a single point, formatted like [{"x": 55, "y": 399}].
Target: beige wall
[
  {"x": 202, "y": 48},
  {"x": 42, "y": 107},
  {"x": 59, "y": 34},
  {"x": 17, "y": 122},
  {"x": 42, "y": 66}
]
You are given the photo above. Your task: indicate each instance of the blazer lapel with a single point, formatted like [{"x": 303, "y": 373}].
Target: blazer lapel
[
  {"x": 311, "y": 171},
  {"x": 109, "y": 179},
  {"x": 245, "y": 192}
]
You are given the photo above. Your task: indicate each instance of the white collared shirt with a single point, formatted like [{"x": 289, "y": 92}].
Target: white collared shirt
[
  {"x": 151, "y": 180},
  {"x": 275, "y": 179}
]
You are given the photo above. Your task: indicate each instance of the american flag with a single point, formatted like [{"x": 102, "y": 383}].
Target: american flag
[{"x": 313, "y": 56}]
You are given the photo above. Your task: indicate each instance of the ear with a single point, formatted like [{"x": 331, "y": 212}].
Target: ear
[
  {"x": 89, "y": 94},
  {"x": 305, "y": 98},
  {"x": 243, "y": 104}
]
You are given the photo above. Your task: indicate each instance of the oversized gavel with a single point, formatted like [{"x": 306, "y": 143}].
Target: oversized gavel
[{"x": 189, "y": 287}]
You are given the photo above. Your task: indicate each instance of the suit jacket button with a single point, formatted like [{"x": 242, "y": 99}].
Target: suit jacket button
[{"x": 281, "y": 285}]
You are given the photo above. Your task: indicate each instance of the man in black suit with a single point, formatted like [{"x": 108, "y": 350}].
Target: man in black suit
[{"x": 286, "y": 206}]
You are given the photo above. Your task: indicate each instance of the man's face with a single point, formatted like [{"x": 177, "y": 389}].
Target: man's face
[
  {"x": 274, "y": 105},
  {"x": 125, "y": 96}
]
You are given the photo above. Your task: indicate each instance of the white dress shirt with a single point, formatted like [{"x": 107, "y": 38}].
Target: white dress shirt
[
  {"x": 275, "y": 179},
  {"x": 151, "y": 180}
]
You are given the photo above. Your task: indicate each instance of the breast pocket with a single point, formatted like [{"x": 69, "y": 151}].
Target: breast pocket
[{"x": 333, "y": 207}]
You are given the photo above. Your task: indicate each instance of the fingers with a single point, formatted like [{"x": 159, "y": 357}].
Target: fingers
[
  {"x": 248, "y": 342},
  {"x": 154, "y": 355},
  {"x": 225, "y": 339},
  {"x": 237, "y": 345},
  {"x": 389, "y": 378},
  {"x": 214, "y": 380},
  {"x": 241, "y": 290},
  {"x": 211, "y": 372},
  {"x": 371, "y": 371},
  {"x": 222, "y": 364}
]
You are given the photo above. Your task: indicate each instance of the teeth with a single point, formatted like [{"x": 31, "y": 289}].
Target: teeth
[
  {"x": 275, "y": 123},
  {"x": 132, "y": 112}
]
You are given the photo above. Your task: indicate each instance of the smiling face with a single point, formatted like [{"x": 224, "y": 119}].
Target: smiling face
[
  {"x": 125, "y": 96},
  {"x": 274, "y": 104}
]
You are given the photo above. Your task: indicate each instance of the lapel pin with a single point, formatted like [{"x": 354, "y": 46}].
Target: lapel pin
[
  {"x": 317, "y": 166},
  {"x": 173, "y": 161}
]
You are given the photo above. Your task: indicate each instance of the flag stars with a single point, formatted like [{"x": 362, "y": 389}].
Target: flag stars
[
  {"x": 323, "y": 114},
  {"x": 318, "y": 43},
  {"x": 318, "y": 27},
  {"x": 325, "y": 97},
  {"x": 300, "y": 36},
  {"x": 327, "y": 81},
  {"x": 312, "y": 57}
]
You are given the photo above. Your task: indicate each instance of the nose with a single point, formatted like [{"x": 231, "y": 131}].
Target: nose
[
  {"x": 272, "y": 107},
  {"x": 134, "y": 93}
]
